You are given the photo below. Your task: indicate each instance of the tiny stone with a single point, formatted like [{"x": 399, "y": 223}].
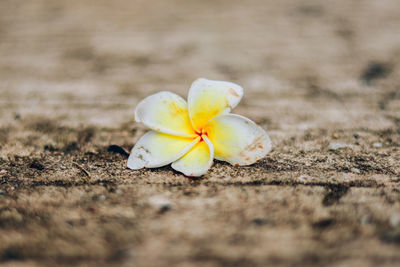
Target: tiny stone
[
  {"x": 324, "y": 223},
  {"x": 335, "y": 146},
  {"x": 102, "y": 197},
  {"x": 365, "y": 219},
  {"x": 377, "y": 144},
  {"x": 356, "y": 170},
  {"x": 1, "y": 193},
  {"x": 394, "y": 220},
  {"x": 303, "y": 178},
  {"x": 118, "y": 192},
  {"x": 160, "y": 202},
  {"x": 12, "y": 215},
  {"x": 35, "y": 164},
  {"x": 187, "y": 191},
  {"x": 3, "y": 172},
  {"x": 259, "y": 221}
]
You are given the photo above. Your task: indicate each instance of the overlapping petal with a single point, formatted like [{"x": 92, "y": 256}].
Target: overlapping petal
[
  {"x": 198, "y": 160},
  {"x": 165, "y": 112},
  {"x": 208, "y": 98},
  {"x": 158, "y": 149},
  {"x": 237, "y": 139}
]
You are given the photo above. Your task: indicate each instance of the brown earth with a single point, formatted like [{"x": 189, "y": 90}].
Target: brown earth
[{"x": 316, "y": 74}]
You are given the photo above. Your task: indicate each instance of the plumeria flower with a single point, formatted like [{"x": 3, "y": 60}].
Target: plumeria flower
[{"x": 190, "y": 135}]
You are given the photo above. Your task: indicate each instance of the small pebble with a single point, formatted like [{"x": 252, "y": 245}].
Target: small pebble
[
  {"x": 35, "y": 164},
  {"x": 160, "y": 202},
  {"x": 102, "y": 197},
  {"x": 259, "y": 221},
  {"x": 3, "y": 172},
  {"x": 303, "y": 178},
  {"x": 118, "y": 192},
  {"x": 377, "y": 144},
  {"x": 17, "y": 116},
  {"x": 335, "y": 146},
  {"x": 394, "y": 220},
  {"x": 187, "y": 191},
  {"x": 365, "y": 219},
  {"x": 356, "y": 170},
  {"x": 1, "y": 193}
]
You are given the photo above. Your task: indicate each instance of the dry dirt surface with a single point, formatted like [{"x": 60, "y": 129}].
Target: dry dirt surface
[{"x": 322, "y": 77}]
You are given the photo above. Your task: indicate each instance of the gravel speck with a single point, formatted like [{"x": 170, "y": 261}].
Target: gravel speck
[
  {"x": 365, "y": 219},
  {"x": 377, "y": 145},
  {"x": 394, "y": 220},
  {"x": 336, "y": 146},
  {"x": 161, "y": 202}
]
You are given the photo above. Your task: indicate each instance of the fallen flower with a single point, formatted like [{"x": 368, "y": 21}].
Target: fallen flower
[{"x": 190, "y": 135}]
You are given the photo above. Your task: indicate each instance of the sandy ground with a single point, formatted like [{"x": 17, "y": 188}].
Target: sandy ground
[{"x": 318, "y": 75}]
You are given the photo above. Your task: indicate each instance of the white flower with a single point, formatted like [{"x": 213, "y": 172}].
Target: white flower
[{"x": 191, "y": 135}]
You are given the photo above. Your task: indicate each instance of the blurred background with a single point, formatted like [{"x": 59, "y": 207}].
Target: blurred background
[
  {"x": 110, "y": 54},
  {"x": 322, "y": 77}
]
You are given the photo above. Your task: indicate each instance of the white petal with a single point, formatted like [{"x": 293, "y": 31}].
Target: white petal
[
  {"x": 198, "y": 160},
  {"x": 237, "y": 139},
  {"x": 157, "y": 149},
  {"x": 208, "y": 99},
  {"x": 165, "y": 112}
]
